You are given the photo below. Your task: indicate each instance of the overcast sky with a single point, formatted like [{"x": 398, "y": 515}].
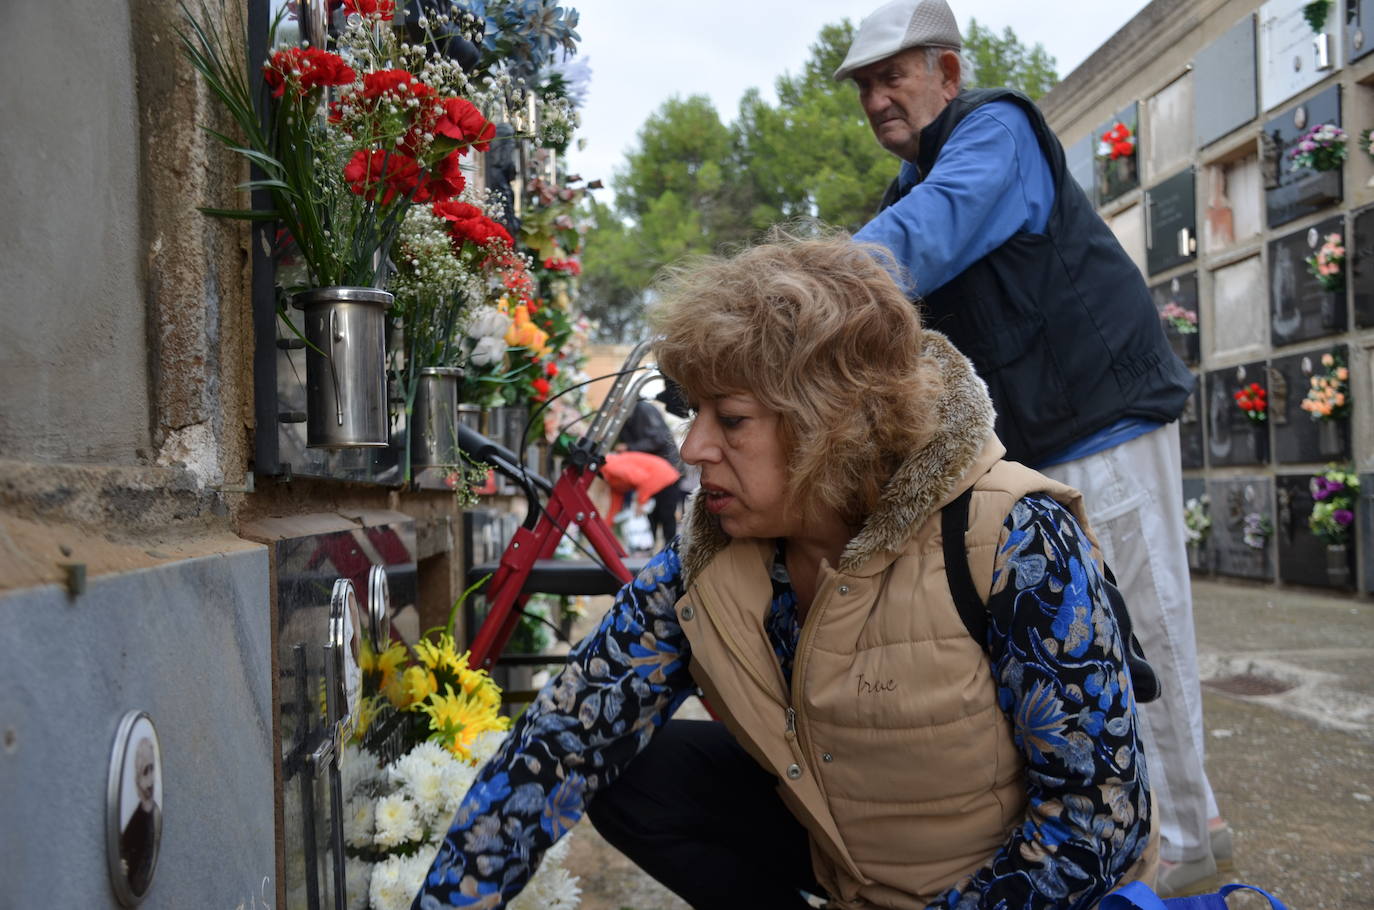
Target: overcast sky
[{"x": 642, "y": 52}]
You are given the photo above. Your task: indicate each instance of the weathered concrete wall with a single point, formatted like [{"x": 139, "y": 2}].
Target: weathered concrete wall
[{"x": 73, "y": 355}]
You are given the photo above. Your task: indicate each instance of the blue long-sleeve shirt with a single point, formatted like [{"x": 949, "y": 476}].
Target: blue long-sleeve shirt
[
  {"x": 1057, "y": 659},
  {"x": 989, "y": 182}
]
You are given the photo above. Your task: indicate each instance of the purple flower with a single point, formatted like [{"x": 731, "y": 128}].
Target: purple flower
[
  {"x": 1322, "y": 488},
  {"x": 1343, "y": 517}
]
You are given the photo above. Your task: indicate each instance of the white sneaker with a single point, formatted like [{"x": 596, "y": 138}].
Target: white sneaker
[{"x": 1181, "y": 879}]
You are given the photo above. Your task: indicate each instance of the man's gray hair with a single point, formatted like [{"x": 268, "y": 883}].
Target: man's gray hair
[{"x": 966, "y": 68}]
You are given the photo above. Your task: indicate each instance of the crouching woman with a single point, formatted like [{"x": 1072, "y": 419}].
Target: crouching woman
[{"x": 873, "y": 748}]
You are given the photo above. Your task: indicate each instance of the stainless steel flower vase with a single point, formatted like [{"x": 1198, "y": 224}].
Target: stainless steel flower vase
[
  {"x": 1338, "y": 565},
  {"x": 434, "y": 418},
  {"x": 345, "y": 366},
  {"x": 1330, "y": 437}
]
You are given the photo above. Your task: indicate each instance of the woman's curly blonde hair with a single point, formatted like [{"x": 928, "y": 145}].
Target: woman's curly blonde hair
[{"x": 817, "y": 330}]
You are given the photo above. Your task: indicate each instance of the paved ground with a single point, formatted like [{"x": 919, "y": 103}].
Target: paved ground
[{"x": 1289, "y": 703}]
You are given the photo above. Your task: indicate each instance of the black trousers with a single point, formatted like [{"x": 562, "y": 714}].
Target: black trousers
[
  {"x": 663, "y": 516},
  {"x": 698, "y": 814}
]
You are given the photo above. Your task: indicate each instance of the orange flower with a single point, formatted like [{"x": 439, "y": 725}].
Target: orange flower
[{"x": 524, "y": 333}]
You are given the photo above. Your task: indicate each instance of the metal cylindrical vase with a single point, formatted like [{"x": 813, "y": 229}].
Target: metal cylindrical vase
[
  {"x": 1338, "y": 565},
  {"x": 345, "y": 366},
  {"x": 1331, "y": 437},
  {"x": 434, "y": 418}
]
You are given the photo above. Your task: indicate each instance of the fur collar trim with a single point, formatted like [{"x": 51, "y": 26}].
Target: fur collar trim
[{"x": 921, "y": 485}]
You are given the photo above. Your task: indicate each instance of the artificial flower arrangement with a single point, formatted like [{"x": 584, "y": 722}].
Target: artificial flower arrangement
[
  {"x": 1328, "y": 398},
  {"x": 1117, "y": 142},
  {"x": 1183, "y": 320},
  {"x": 1322, "y": 148},
  {"x": 1255, "y": 531},
  {"x": 1315, "y": 14},
  {"x": 1334, "y": 493},
  {"x": 1253, "y": 400},
  {"x": 441, "y": 719},
  {"x": 1197, "y": 518},
  {"x": 1327, "y": 264}
]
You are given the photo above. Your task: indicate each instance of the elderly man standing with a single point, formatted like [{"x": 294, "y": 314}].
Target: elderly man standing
[{"x": 1013, "y": 264}]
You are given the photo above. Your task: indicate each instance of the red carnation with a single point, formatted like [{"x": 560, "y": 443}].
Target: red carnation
[
  {"x": 1122, "y": 149},
  {"x": 541, "y": 388},
  {"x": 464, "y": 123},
  {"x": 308, "y": 68},
  {"x": 394, "y": 82},
  {"x": 551, "y": 369},
  {"x": 377, "y": 9},
  {"x": 367, "y": 170},
  {"x": 445, "y": 181}
]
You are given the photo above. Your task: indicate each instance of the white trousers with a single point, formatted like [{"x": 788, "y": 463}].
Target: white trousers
[{"x": 1134, "y": 497}]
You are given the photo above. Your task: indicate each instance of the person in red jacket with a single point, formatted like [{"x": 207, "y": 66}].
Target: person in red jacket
[{"x": 642, "y": 473}]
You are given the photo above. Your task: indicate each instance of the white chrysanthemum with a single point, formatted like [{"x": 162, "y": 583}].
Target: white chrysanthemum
[
  {"x": 550, "y": 888},
  {"x": 486, "y": 744},
  {"x": 358, "y": 769},
  {"x": 388, "y": 891},
  {"x": 358, "y": 879},
  {"x": 396, "y": 821},
  {"x": 357, "y": 820},
  {"x": 423, "y": 758}
]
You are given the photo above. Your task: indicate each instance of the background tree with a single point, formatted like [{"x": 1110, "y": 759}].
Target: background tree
[
  {"x": 1005, "y": 61},
  {"x": 693, "y": 184}
]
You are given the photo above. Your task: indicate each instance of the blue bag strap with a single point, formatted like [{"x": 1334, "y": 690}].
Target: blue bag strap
[{"x": 1138, "y": 896}]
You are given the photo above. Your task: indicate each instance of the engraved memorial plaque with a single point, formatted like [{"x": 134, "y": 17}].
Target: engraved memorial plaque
[
  {"x": 1291, "y": 193},
  {"x": 1242, "y": 527},
  {"x": 1359, "y": 28},
  {"x": 1297, "y": 437},
  {"x": 1176, "y": 301},
  {"x": 1299, "y": 306},
  {"x": 1232, "y": 437},
  {"x": 1302, "y": 555},
  {"x": 1291, "y": 57},
  {"x": 1117, "y": 176},
  {"x": 1359, "y": 265},
  {"x": 1224, "y": 90},
  {"x": 1171, "y": 235},
  {"x": 1190, "y": 428}
]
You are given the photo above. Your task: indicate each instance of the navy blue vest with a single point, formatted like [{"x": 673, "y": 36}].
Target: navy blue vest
[{"x": 1060, "y": 325}]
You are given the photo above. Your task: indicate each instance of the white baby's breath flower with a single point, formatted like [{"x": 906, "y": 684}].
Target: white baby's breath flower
[{"x": 395, "y": 821}]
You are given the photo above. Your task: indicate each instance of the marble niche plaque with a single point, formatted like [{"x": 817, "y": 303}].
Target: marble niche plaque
[
  {"x": 1238, "y": 304},
  {"x": 1168, "y": 140},
  {"x": 1233, "y": 438},
  {"x": 1199, "y": 553},
  {"x": 1171, "y": 234},
  {"x": 1302, "y": 555},
  {"x": 1289, "y": 193},
  {"x": 1291, "y": 57},
  {"x": 1359, "y": 28},
  {"x": 1190, "y": 437},
  {"x": 1232, "y": 211},
  {"x": 1117, "y": 176},
  {"x": 1079, "y": 159},
  {"x": 1359, "y": 265},
  {"x": 1299, "y": 307},
  {"x": 1233, "y": 501},
  {"x": 1171, "y": 297},
  {"x": 1129, "y": 228},
  {"x": 1297, "y": 437},
  {"x": 1224, "y": 90}
]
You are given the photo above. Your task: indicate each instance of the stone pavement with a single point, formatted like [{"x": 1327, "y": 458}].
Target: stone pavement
[{"x": 1289, "y": 701}]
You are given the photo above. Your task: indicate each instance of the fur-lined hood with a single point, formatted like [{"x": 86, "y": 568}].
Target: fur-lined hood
[{"x": 924, "y": 483}]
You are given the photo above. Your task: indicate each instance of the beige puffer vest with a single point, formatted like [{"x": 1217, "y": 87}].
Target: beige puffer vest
[{"x": 891, "y": 748}]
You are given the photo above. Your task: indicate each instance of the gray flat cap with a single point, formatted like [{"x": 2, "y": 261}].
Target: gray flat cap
[{"x": 897, "y": 26}]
